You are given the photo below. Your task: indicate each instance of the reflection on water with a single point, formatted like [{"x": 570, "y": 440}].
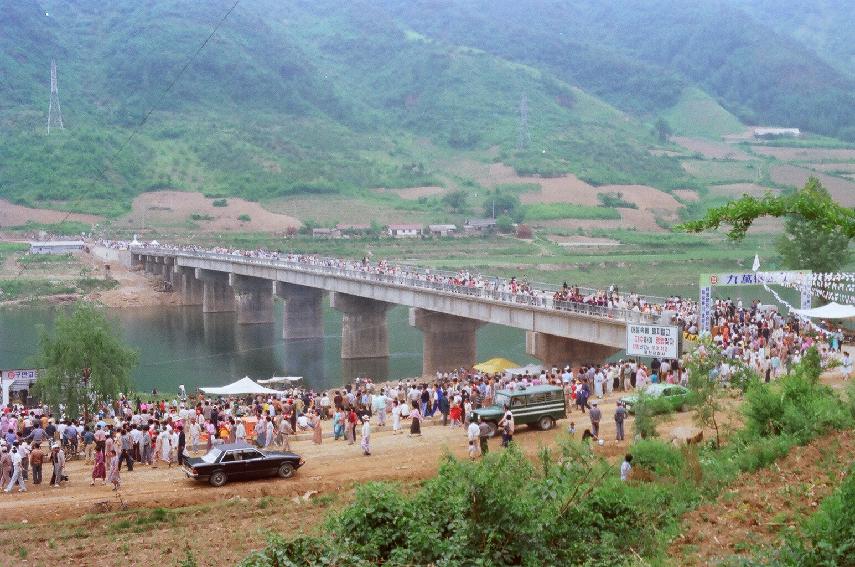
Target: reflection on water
[{"x": 182, "y": 345}]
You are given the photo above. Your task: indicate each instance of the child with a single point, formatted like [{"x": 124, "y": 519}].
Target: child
[
  {"x": 626, "y": 467},
  {"x": 572, "y": 429},
  {"x": 114, "y": 470},
  {"x": 455, "y": 415},
  {"x": 473, "y": 450}
]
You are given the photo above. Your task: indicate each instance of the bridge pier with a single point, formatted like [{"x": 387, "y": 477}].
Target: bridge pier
[
  {"x": 217, "y": 294},
  {"x": 169, "y": 269},
  {"x": 254, "y": 299},
  {"x": 560, "y": 351},
  {"x": 303, "y": 313},
  {"x": 449, "y": 341},
  {"x": 192, "y": 292},
  {"x": 137, "y": 260},
  {"x": 148, "y": 264},
  {"x": 364, "y": 333},
  {"x": 157, "y": 266}
]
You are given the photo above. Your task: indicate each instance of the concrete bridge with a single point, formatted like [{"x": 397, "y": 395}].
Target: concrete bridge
[{"x": 448, "y": 315}]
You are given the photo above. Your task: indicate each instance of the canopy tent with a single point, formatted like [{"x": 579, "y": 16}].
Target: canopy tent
[
  {"x": 243, "y": 386},
  {"x": 530, "y": 369},
  {"x": 280, "y": 379},
  {"x": 495, "y": 365},
  {"x": 831, "y": 311}
]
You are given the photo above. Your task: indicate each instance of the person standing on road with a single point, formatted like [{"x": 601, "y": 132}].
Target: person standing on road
[
  {"x": 5, "y": 466},
  {"x": 88, "y": 444},
  {"x": 415, "y": 420},
  {"x": 57, "y": 459},
  {"x": 595, "y": 414},
  {"x": 620, "y": 416},
  {"x": 483, "y": 436},
  {"x": 507, "y": 425},
  {"x": 17, "y": 473},
  {"x": 99, "y": 471},
  {"x": 626, "y": 467},
  {"x": 599, "y": 380},
  {"x": 396, "y": 417},
  {"x": 115, "y": 473},
  {"x": 473, "y": 432},
  {"x": 317, "y": 429},
  {"x": 127, "y": 448},
  {"x": 366, "y": 435},
  {"x": 182, "y": 442},
  {"x": 37, "y": 457}
]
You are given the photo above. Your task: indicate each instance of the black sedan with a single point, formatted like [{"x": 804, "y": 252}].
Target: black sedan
[{"x": 240, "y": 461}]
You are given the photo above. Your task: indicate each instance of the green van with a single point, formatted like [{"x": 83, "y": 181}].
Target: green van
[{"x": 535, "y": 405}]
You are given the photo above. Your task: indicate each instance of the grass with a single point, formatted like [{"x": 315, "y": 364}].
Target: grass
[
  {"x": 36, "y": 259},
  {"x": 66, "y": 228},
  {"x": 711, "y": 172},
  {"x": 551, "y": 211},
  {"x": 696, "y": 114},
  {"x": 201, "y": 217}
]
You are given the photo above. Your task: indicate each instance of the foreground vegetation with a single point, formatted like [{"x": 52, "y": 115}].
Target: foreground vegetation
[{"x": 507, "y": 510}]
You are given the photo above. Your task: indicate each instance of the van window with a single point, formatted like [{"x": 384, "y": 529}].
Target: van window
[
  {"x": 517, "y": 401},
  {"x": 538, "y": 398}
]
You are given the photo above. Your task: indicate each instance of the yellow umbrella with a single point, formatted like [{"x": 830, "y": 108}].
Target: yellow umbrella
[{"x": 495, "y": 365}]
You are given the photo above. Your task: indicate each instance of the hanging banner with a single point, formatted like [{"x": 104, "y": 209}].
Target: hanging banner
[
  {"x": 657, "y": 341},
  {"x": 788, "y": 278},
  {"x": 705, "y": 304}
]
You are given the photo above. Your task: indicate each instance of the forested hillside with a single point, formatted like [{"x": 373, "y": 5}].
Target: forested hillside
[{"x": 302, "y": 96}]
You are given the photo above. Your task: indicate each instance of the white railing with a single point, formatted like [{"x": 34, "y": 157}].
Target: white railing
[{"x": 408, "y": 277}]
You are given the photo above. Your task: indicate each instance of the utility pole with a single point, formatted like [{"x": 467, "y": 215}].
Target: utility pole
[
  {"x": 54, "y": 115},
  {"x": 524, "y": 138}
]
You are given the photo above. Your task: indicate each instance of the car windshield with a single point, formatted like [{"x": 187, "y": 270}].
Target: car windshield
[
  {"x": 212, "y": 456},
  {"x": 502, "y": 400}
]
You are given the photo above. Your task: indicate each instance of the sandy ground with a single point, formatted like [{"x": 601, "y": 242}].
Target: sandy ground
[
  {"x": 14, "y": 215},
  {"x": 174, "y": 208},
  {"x": 135, "y": 289},
  {"x": 843, "y": 191},
  {"x": 710, "y": 149}
]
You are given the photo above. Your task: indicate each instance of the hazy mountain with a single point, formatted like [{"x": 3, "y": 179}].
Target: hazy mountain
[{"x": 323, "y": 96}]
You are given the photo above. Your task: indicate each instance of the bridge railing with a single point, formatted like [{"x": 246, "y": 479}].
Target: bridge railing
[{"x": 542, "y": 298}]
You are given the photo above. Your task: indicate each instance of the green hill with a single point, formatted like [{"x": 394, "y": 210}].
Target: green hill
[{"x": 297, "y": 97}]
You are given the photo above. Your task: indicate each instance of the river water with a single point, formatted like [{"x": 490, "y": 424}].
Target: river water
[{"x": 181, "y": 345}]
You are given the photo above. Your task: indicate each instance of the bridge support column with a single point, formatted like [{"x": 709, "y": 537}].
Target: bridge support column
[
  {"x": 364, "y": 333},
  {"x": 169, "y": 270},
  {"x": 148, "y": 264},
  {"x": 254, "y": 299},
  {"x": 157, "y": 266},
  {"x": 217, "y": 294},
  {"x": 303, "y": 313},
  {"x": 449, "y": 341},
  {"x": 560, "y": 351},
  {"x": 137, "y": 260},
  {"x": 192, "y": 291}
]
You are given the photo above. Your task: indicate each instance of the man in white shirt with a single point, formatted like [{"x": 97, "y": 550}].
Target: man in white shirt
[{"x": 472, "y": 433}]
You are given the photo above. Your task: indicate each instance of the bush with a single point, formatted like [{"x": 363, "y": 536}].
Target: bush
[
  {"x": 658, "y": 457},
  {"x": 220, "y": 203},
  {"x": 201, "y": 217},
  {"x": 614, "y": 200},
  {"x": 644, "y": 425},
  {"x": 244, "y": 218}
]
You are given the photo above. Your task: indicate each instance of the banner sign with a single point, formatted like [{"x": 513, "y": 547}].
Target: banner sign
[
  {"x": 705, "y": 308},
  {"x": 658, "y": 341},
  {"x": 788, "y": 278},
  {"x": 12, "y": 375}
]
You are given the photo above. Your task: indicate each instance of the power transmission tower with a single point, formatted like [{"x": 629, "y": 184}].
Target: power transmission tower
[
  {"x": 524, "y": 139},
  {"x": 54, "y": 111}
]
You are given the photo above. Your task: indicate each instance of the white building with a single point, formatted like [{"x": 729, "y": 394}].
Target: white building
[
  {"x": 56, "y": 246},
  {"x": 442, "y": 229},
  {"x": 774, "y": 132},
  {"x": 404, "y": 230}
]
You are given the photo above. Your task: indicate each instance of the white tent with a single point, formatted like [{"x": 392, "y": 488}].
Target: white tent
[
  {"x": 530, "y": 369},
  {"x": 243, "y": 386},
  {"x": 280, "y": 379},
  {"x": 831, "y": 311}
]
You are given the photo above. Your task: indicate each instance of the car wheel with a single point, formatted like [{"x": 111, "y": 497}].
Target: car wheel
[
  {"x": 546, "y": 423},
  {"x": 286, "y": 470},
  {"x": 218, "y": 478},
  {"x": 492, "y": 427}
]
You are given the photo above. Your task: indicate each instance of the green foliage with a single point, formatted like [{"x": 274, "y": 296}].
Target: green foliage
[
  {"x": 796, "y": 405},
  {"x": 84, "y": 338},
  {"x": 811, "y": 204},
  {"x": 201, "y": 217},
  {"x": 34, "y": 259},
  {"x": 244, "y": 218},
  {"x": 658, "y": 457},
  {"x": 19, "y": 288},
  {"x": 644, "y": 425},
  {"x": 505, "y": 224},
  {"x": 549, "y": 211},
  {"x": 499, "y": 204},
  {"x": 220, "y": 203},
  {"x": 67, "y": 228},
  {"x": 456, "y": 201},
  {"x": 615, "y": 200},
  {"x": 808, "y": 245},
  {"x": 662, "y": 130}
]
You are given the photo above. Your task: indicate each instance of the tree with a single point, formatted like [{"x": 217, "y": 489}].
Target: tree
[
  {"x": 505, "y": 224},
  {"x": 503, "y": 204},
  {"x": 456, "y": 201},
  {"x": 84, "y": 339},
  {"x": 812, "y": 203},
  {"x": 808, "y": 245},
  {"x": 662, "y": 130}
]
